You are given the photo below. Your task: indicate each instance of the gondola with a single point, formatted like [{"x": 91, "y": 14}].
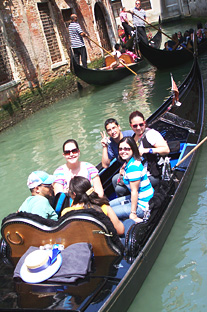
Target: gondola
[
  {"x": 163, "y": 59},
  {"x": 100, "y": 77},
  {"x": 117, "y": 271}
]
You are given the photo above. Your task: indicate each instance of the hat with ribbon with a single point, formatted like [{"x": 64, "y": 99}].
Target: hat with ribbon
[{"x": 40, "y": 265}]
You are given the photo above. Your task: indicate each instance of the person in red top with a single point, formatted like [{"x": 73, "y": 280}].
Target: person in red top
[{"x": 125, "y": 23}]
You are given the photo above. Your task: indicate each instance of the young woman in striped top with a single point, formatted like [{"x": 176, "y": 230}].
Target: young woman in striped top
[{"x": 135, "y": 177}]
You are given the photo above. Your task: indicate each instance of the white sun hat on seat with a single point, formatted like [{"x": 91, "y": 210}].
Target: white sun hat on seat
[{"x": 40, "y": 265}]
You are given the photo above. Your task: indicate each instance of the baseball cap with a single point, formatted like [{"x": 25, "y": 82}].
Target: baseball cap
[{"x": 39, "y": 177}]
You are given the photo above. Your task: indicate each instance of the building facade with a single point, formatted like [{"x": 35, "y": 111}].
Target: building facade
[
  {"x": 34, "y": 38},
  {"x": 166, "y": 9},
  {"x": 35, "y": 44}
]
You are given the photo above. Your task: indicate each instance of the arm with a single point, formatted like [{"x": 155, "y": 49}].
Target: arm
[
  {"x": 160, "y": 146},
  {"x": 57, "y": 188},
  {"x": 105, "y": 158},
  {"x": 116, "y": 222},
  {"x": 98, "y": 186},
  {"x": 83, "y": 34}
]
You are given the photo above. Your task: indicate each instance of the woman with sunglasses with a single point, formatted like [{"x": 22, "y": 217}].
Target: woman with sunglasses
[
  {"x": 150, "y": 144},
  {"x": 135, "y": 177},
  {"x": 75, "y": 167},
  {"x": 84, "y": 196}
]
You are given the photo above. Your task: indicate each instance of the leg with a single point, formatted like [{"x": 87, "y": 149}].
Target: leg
[
  {"x": 122, "y": 207},
  {"x": 76, "y": 55},
  {"x": 142, "y": 34},
  {"x": 121, "y": 190},
  {"x": 127, "y": 224},
  {"x": 83, "y": 56}
]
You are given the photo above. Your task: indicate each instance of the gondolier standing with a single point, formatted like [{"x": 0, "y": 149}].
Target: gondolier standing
[
  {"x": 77, "y": 43},
  {"x": 139, "y": 23}
]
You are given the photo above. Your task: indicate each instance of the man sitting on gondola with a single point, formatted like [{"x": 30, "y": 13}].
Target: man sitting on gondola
[
  {"x": 110, "y": 150},
  {"x": 40, "y": 185}
]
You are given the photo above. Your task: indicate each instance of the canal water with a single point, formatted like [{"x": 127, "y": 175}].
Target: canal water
[{"x": 177, "y": 281}]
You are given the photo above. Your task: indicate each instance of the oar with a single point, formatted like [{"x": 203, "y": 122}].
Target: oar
[
  {"x": 112, "y": 55},
  {"x": 193, "y": 150},
  {"x": 158, "y": 29}
]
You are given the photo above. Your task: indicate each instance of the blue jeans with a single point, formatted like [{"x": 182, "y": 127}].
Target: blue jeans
[
  {"x": 121, "y": 190},
  {"x": 122, "y": 207}
]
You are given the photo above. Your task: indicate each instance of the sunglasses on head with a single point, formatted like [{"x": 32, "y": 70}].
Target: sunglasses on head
[
  {"x": 125, "y": 149},
  {"x": 73, "y": 151},
  {"x": 140, "y": 125}
]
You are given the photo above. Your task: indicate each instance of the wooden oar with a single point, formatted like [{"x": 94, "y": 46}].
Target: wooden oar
[
  {"x": 193, "y": 150},
  {"x": 158, "y": 29},
  {"x": 112, "y": 55}
]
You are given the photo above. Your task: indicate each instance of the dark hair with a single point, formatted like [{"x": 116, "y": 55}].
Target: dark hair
[
  {"x": 80, "y": 185},
  {"x": 129, "y": 140},
  {"x": 70, "y": 141},
  {"x": 117, "y": 46},
  {"x": 135, "y": 114},
  {"x": 109, "y": 121},
  {"x": 199, "y": 25}
]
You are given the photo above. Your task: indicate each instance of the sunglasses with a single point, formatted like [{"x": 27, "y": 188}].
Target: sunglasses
[
  {"x": 125, "y": 149},
  {"x": 47, "y": 185},
  {"x": 140, "y": 125},
  {"x": 73, "y": 151}
]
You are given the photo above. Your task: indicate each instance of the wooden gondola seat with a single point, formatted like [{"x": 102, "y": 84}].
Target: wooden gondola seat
[
  {"x": 22, "y": 230},
  {"x": 109, "y": 60},
  {"x": 126, "y": 58}
]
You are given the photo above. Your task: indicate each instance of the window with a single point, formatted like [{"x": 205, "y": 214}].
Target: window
[
  {"x": 5, "y": 67},
  {"x": 66, "y": 13},
  {"x": 146, "y": 5},
  {"x": 49, "y": 32},
  {"x": 116, "y": 6}
]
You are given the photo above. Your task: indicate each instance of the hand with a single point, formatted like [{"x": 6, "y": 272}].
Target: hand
[
  {"x": 143, "y": 150},
  {"x": 134, "y": 217},
  {"x": 105, "y": 140},
  {"x": 121, "y": 171}
]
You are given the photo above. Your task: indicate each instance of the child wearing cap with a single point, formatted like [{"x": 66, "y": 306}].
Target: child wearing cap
[{"x": 40, "y": 185}]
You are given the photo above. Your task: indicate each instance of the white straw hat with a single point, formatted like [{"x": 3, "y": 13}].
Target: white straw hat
[{"x": 38, "y": 267}]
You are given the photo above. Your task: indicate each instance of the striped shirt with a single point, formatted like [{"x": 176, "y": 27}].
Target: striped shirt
[
  {"x": 134, "y": 171},
  {"x": 75, "y": 38},
  {"x": 136, "y": 20},
  {"x": 64, "y": 175}
]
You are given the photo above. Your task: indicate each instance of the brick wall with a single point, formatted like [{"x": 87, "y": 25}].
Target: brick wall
[{"x": 27, "y": 43}]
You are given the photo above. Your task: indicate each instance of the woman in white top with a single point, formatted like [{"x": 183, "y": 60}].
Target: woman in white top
[{"x": 75, "y": 167}]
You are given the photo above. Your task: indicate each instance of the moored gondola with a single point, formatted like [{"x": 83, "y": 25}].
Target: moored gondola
[
  {"x": 115, "y": 277},
  {"x": 100, "y": 77},
  {"x": 163, "y": 59}
]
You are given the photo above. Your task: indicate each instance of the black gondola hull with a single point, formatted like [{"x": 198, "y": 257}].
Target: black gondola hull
[
  {"x": 163, "y": 59},
  {"x": 116, "y": 280},
  {"x": 100, "y": 77}
]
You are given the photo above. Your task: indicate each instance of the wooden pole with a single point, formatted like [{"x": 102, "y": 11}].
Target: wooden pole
[
  {"x": 193, "y": 150},
  {"x": 112, "y": 55}
]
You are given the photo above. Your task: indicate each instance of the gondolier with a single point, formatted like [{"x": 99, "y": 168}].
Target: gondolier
[
  {"x": 76, "y": 39},
  {"x": 139, "y": 15}
]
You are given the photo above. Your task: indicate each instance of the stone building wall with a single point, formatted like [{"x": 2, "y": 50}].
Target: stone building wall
[{"x": 35, "y": 55}]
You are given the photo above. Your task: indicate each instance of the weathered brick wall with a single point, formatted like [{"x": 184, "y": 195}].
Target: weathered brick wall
[{"x": 28, "y": 44}]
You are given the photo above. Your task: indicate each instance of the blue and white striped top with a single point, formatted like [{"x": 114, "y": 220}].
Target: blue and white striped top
[
  {"x": 75, "y": 38},
  {"x": 136, "y": 20},
  {"x": 135, "y": 171}
]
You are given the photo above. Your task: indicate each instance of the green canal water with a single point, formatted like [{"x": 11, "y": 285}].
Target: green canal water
[{"x": 177, "y": 281}]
